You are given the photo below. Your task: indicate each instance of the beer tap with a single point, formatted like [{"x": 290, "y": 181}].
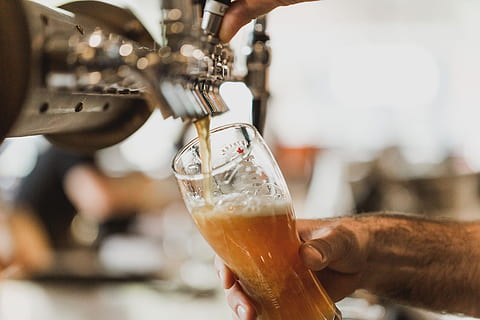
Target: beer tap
[
  {"x": 89, "y": 75},
  {"x": 212, "y": 18},
  {"x": 64, "y": 73},
  {"x": 198, "y": 64},
  {"x": 258, "y": 62}
]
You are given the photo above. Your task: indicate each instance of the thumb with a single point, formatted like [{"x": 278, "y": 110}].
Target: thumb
[
  {"x": 240, "y": 13},
  {"x": 330, "y": 245}
]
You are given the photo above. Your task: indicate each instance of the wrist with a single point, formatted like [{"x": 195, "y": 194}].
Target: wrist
[
  {"x": 387, "y": 240},
  {"x": 419, "y": 261},
  {"x": 365, "y": 226}
]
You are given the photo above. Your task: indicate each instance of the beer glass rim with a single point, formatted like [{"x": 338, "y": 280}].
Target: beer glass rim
[{"x": 198, "y": 176}]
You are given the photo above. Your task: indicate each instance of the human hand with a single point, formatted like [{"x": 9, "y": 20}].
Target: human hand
[
  {"x": 242, "y": 12},
  {"x": 335, "y": 249},
  {"x": 238, "y": 301}
]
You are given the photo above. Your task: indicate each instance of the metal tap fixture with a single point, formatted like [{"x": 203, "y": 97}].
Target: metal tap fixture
[
  {"x": 258, "y": 63},
  {"x": 213, "y": 17},
  {"x": 193, "y": 63},
  {"x": 88, "y": 75},
  {"x": 60, "y": 75}
]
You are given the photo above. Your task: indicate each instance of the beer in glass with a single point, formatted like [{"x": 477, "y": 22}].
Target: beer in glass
[{"x": 250, "y": 223}]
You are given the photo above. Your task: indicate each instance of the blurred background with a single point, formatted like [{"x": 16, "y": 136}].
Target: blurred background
[{"x": 374, "y": 106}]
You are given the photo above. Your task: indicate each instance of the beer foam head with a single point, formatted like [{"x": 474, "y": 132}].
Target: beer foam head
[{"x": 239, "y": 204}]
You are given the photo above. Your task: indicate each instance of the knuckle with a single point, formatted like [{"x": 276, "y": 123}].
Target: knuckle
[
  {"x": 335, "y": 241},
  {"x": 346, "y": 240}
]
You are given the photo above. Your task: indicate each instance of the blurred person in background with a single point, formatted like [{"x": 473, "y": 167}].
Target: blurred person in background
[
  {"x": 413, "y": 260},
  {"x": 61, "y": 185}
]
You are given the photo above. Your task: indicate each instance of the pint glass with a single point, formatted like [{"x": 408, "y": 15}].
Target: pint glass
[{"x": 250, "y": 223}]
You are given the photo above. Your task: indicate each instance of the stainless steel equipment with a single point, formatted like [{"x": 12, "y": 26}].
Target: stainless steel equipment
[
  {"x": 88, "y": 75},
  {"x": 46, "y": 90},
  {"x": 258, "y": 63}
]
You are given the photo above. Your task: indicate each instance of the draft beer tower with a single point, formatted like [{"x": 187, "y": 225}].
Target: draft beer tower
[{"x": 89, "y": 74}]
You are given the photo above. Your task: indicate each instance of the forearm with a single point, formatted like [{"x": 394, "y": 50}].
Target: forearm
[{"x": 432, "y": 264}]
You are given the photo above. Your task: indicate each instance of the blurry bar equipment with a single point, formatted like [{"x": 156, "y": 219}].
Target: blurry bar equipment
[
  {"x": 89, "y": 75},
  {"x": 258, "y": 63}
]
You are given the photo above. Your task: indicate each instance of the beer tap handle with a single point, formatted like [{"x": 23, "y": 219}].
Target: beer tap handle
[
  {"x": 213, "y": 17},
  {"x": 258, "y": 63}
]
